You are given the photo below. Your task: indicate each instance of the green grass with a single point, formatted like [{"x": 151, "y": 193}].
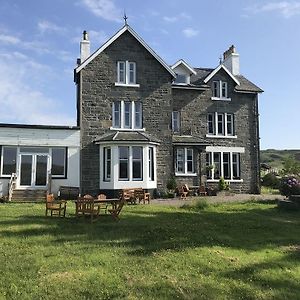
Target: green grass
[
  {"x": 265, "y": 190},
  {"x": 228, "y": 251}
]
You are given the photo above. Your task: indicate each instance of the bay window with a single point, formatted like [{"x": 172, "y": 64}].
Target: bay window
[
  {"x": 123, "y": 163},
  {"x": 137, "y": 163},
  {"x": 223, "y": 164}
]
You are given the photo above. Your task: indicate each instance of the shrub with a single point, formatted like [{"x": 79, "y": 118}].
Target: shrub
[
  {"x": 223, "y": 185},
  {"x": 289, "y": 186},
  {"x": 270, "y": 180},
  {"x": 171, "y": 184}
]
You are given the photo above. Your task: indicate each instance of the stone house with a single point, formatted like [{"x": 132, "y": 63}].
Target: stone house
[{"x": 141, "y": 121}]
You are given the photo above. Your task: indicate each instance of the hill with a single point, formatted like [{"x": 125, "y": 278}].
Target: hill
[{"x": 275, "y": 158}]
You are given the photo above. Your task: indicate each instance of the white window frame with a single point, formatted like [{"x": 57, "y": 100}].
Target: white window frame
[
  {"x": 133, "y": 115},
  {"x": 139, "y": 160},
  {"x": 225, "y": 123},
  {"x": 185, "y": 171},
  {"x": 185, "y": 82},
  {"x": 106, "y": 162},
  {"x": 127, "y": 71},
  {"x": 221, "y": 150},
  {"x": 175, "y": 121},
  {"x": 128, "y": 164},
  {"x": 2, "y": 160},
  {"x": 217, "y": 90},
  {"x": 65, "y": 162},
  {"x": 151, "y": 170}
]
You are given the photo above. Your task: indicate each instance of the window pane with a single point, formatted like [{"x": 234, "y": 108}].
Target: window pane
[
  {"x": 137, "y": 160},
  {"x": 221, "y": 124},
  {"x": 236, "y": 166},
  {"x": 131, "y": 72},
  {"x": 226, "y": 165},
  {"x": 116, "y": 114},
  {"x": 224, "y": 89},
  {"x": 121, "y": 71},
  {"x": 9, "y": 160},
  {"x": 138, "y": 114},
  {"x": 210, "y": 123},
  {"x": 217, "y": 165},
  {"x": 216, "y": 89},
  {"x": 58, "y": 161},
  {"x": 175, "y": 121},
  {"x": 137, "y": 152},
  {"x": 127, "y": 114},
  {"x": 151, "y": 163},
  {"x": 189, "y": 159},
  {"x": 180, "y": 78},
  {"x": 107, "y": 163},
  {"x": 180, "y": 161},
  {"x": 123, "y": 162},
  {"x": 229, "y": 124},
  {"x": 208, "y": 166}
]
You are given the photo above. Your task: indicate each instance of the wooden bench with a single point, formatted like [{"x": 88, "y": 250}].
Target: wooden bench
[
  {"x": 68, "y": 192},
  {"x": 127, "y": 195},
  {"x": 142, "y": 195}
]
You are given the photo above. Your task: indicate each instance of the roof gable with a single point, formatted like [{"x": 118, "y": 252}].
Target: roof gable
[
  {"x": 216, "y": 70},
  {"x": 115, "y": 37},
  {"x": 186, "y": 66}
]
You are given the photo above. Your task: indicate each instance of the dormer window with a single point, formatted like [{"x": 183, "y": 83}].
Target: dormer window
[
  {"x": 181, "y": 79},
  {"x": 126, "y": 74},
  {"x": 220, "y": 90}
]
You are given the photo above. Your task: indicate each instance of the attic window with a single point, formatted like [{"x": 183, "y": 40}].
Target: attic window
[
  {"x": 220, "y": 90},
  {"x": 126, "y": 74},
  {"x": 181, "y": 78}
]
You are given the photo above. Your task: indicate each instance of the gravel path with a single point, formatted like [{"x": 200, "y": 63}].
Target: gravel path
[{"x": 218, "y": 199}]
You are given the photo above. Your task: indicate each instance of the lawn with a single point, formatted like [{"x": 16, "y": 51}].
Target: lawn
[{"x": 228, "y": 251}]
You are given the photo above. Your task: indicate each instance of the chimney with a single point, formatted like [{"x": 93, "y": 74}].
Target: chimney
[
  {"x": 231, "y": 60},
  {"x": 84, "y": 47}
]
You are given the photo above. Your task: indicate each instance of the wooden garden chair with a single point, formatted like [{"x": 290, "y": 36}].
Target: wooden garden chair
[
  {"x": 182, "y": 193},
  {"x": 103, "y": 206},
  {"x": 202, "y": 190},
  {"x": 142, "y": 195},
  {"x": 56, "y": 207},
  {"x": 115, "y": 212},
  {"x": 85, "y": 206}
]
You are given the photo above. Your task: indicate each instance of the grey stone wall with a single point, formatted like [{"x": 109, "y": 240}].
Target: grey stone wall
[
  {"x": 98, "y": 92},
  {"x": 194, "y": 106}
]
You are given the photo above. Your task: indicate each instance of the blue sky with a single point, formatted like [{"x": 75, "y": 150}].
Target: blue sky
[{"x": 39, "y": 44}]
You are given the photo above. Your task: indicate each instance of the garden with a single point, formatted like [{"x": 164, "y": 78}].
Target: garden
[{"x": 198, "y": 251}]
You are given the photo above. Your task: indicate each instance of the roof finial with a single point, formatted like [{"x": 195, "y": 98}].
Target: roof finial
[
  {"x": 125, "y": 18},
  {"x": 220, "y": 60}
]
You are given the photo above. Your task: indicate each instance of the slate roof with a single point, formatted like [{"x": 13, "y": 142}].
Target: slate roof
[
  {"x": 245, "y": 84},
  {"x": 188, "y": 140},
  {"x": 127, "y": 136}
]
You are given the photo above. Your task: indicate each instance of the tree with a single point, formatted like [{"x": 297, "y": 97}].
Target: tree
[{"x": 291, "y": 166}]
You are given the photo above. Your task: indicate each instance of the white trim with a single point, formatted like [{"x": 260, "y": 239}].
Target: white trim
[
  {"x": 187, "y": 87},
  {"x": 224, "y": 149},
  {"x": 127, "y": 129},
  {"x": 127, "y": 85},
  {"x": 185, "y": 174},
  {"x": 221, "y": 136},
  {"x": 115, "y": 37},
  {"x": 185, "y": 64},
  {"x": 216, "y": 70},
  {"x": 227, "y": 180},
  {"x": 220, "y": 99}
]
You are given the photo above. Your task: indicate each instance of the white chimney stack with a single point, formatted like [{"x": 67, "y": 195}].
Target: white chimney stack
[
  {"x": 231, "y": 60},
  {"x": 84, "y": 47}
]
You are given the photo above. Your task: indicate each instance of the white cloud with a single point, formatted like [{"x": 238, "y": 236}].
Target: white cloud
[
  {"x": 176, "y": 18},
  {"x": 22, "y": 103},
  {"x": 105, "y": 9},
  {"x": 286, "y": 9},
  {"x": 9, "y": 39},
  {"x": 46, "y": 26},
  {"x": 98, "y": 37},
  {"x": 190, "y": 32}
]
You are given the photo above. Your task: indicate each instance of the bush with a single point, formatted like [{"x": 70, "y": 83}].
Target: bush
[
  {"x": 171, "y": 185},
  {"x": 290, "y": 186},
  {"x": 270, "y": 180},
  {"x": 223, "y": 185}
]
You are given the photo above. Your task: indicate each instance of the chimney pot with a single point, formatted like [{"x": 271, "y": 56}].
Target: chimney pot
[{"x": 84, "y": 47}]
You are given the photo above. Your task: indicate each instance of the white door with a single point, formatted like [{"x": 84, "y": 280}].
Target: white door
[{"x": 33, "y": 170}]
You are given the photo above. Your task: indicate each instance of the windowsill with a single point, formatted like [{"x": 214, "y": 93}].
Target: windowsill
[
  {"x": 135, "y": 85},
  {"x": 186, "y": 174},
  {"x": 127, "y": 129},
  {"x": 227, "y": 180},
  {"x": 221, "y": 136},
  {"x": 220, "y": 99}
]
